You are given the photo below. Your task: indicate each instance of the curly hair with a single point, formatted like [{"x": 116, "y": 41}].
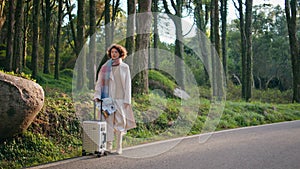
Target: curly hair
[{"x": 119, "y": 48}]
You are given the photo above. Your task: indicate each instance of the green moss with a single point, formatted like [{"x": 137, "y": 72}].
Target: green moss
[{"x": 157, "y": 80}]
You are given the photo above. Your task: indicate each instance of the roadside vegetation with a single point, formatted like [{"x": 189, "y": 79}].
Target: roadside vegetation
[
  {"x": 53, "y": 42},
  {"x": 56, "y": 132}
]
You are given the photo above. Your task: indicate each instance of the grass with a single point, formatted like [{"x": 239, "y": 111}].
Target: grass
[
  {"x": 56, "y": 132},
  {"x": 54, "y": 135},
  {"x": 236, "y": 114}
]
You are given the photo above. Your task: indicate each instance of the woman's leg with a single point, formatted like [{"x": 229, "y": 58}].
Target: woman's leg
[
  {"x": 120, "y": 129},
  {"x": 119, "y": 124},
  {"x": 109, "y": 132},
  {"x": 119, "y": 142}
]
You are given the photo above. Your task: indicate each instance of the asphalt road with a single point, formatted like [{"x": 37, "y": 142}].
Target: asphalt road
[{"x": 275, "y": 146}]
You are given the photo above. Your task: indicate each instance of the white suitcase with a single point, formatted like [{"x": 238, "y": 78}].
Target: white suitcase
[{"x": 94, "y": 136}]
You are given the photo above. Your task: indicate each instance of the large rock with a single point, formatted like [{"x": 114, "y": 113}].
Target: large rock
[{"x": 20, "y": 102}]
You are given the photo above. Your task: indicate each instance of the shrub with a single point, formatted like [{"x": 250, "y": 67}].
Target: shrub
[{"x": 157, "y": 80}]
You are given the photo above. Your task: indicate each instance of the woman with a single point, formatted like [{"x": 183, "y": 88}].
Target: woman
[{"x": 114, "y": 82}]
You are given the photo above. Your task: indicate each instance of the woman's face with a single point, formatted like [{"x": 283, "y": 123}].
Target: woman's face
[{"x": 114, "y": 53}]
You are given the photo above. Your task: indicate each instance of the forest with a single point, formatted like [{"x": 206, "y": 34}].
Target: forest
[
  {"x": 188, "y": 60},
  {"x": 258, "y": 50}
]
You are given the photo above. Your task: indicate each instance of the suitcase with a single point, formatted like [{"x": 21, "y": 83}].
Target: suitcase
[{"x": 94, "y": 135}]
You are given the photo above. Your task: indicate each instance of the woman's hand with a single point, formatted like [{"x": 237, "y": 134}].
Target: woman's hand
[{"x": 97, "y": 100}]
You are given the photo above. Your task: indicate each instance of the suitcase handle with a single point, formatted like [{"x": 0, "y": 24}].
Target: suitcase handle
[{"x": 100, "y": 110}]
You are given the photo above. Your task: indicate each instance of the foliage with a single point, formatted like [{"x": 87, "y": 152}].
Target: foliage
[
  {"x": 52, "y": 86},
  {"x": 156, "y": 116},
  {"x": 272, "y": 38},
  {"x": 242, "y": 114},
  {"x": 57, "y": 128},
  {"x": 157, "y": 80},
  {"x": 27, "y": 150},
  {"x": 23, "y": 75},
  {"x": 270, "y": 49},
  {"x": 54, "y": 135}
]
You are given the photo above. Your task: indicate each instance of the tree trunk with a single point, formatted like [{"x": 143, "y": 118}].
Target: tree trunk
[
  {"x": 216, "y": 21},
  {"x": 199, "y": 15},
  {"x": 92, "y": 47},
  {"x": 130, "y": 31},
  {"x": 218, "y": 73},
  {"x": 2, "y": 16},
  {"x": 179, "y": 60},
  {"x": 47, "y": 37},
  {"x": 10, "y": 35},
  {"x": 113, "y": 18},
  {"x": 243, "y": 46},
  {"x": 201, "y": 21},
  {"x": 155, "y": 35},
  {"x": 69, "y": 11},
  {"x": 291, "y": 15},
  {"x": 80, "y": 51},
  {"x": 249, "y": 65},
  {"x": 35, "y": 37},
  {"x": 25, "y": 34},
  {"x": 142, "y": 41},
  {"x": 259, "y": 83},
  {"x": 57, "y": 49},
  {"x": 224, "y": 31},
  {"x": 268, "y": 82},
  {"x": 213, "y": 50},
  {"x": 18, "y": 37},
  {"x": 107, "y": 24}
]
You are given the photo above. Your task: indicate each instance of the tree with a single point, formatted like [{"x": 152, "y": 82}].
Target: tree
[
  {"x": 215, "y": 24},
  {"x": 142, "y": 41},
  {"x": 18, "y": 38},
  {"x": 115, "y": 9},
  {"x": 47, "y": 37},
  {"x": 110, "y": 13},
  {"x": 215, "y": 45},
  {"x": 291, "y": 16},
  {"x": 246, "y": 47},
  {"x": 249, "y": 55},
  {"x": 243, "y": 42},
  {"x": 10, "y": 35},
  {"x": 72, "y": 27},
  {"x": 224, "y": 34},
  {"x": 57, "y": 49},
  {"x": 25, "y": 31},
  {"x": 2, "y": 16},
  {"x": 155, "y": 35},
  {"x": 270, "y": 48},
  {"x": 108, "y": 39},
  {"x": 179, "y": 71},
  {"x": 80, "y": 46},
  {"x": 130, "y": 31},
  {"x": 35, "y": 38},
  {"x": 201, "y": 19},
  {"x": 92, "y": 46}
]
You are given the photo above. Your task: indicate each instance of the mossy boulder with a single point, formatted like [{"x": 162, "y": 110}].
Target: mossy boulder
[{"x": 20, "y": 101}]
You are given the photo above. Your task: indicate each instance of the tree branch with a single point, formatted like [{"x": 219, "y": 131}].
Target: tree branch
[
  {"x": 174, "y": 6},
  {"x": 166, "y": 7},
  {"x": 69, "y": 10},
  {"x": 235, "y": 5}
]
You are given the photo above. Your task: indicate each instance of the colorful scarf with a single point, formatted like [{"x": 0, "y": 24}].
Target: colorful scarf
[{"x": 105, "y": 74}]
